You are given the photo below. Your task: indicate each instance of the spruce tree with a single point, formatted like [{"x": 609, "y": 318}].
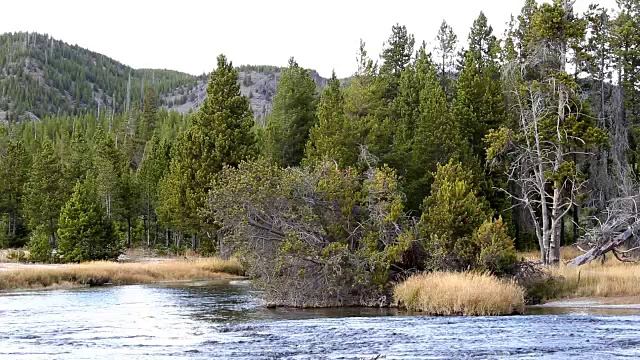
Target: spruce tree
[
  {"x": 452, "y": 213},
  {"x": 44, "y": 191},
  {"x": 293, "y": 116},
  {"x": 429, "y": 133},
  {"x": 221, "y": 135},
  {"x": 110, "y": 163},
  {"x": 153, "y": 166},
  {"x": 334, "y": 136},
  {"x": 85, "y": 232},
  {"x": 14, "y": 173}
]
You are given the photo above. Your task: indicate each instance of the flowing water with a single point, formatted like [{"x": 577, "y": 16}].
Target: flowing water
[{"x": 225, "y": 320}]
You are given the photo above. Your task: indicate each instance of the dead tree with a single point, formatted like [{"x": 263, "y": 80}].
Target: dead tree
[{"x": 616, "y": 228}]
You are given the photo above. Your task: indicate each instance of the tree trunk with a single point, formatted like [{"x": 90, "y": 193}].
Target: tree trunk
[
  {"x": 52, "y": 239},
  {"x": 193, "y": 242},
  {"x": 129, "y": 232}
]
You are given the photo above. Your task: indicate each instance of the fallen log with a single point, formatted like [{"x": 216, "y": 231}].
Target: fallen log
[{"x": 600, "y": 250}]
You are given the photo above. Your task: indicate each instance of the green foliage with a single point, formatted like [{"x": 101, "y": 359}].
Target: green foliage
[
  {"x": 497, "y": 252},
  {"x": 338, "y": 229},
  {"x": 334, "y": 137},
  {"x": 427, "y": 132},
  {"x": 294, "y": 114},
  {"x": 221, "y": 135},
  {"x": 14, "y": 172},
  {"x": 452, "y": 213},
  {"x": 85, "y": 232},
  {"x": 44, "y": 191},
  {"x": 40, "y": 246}
]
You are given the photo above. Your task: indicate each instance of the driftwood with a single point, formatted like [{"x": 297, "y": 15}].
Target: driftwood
[{"x": 608, "y": 246}]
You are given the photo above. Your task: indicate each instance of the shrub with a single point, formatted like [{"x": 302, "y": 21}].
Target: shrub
[
  {"x": 497, "y": 253},
  {"x": 316, "y": 237}
]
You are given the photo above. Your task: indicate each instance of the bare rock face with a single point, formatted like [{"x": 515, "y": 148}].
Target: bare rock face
[{"x": 258, "y": 85}]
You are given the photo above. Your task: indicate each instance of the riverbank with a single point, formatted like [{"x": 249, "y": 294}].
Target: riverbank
[{"x": 29, "y": 276}]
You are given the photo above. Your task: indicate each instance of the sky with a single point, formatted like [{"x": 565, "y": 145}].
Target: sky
[{"x": 187, "y": 35}]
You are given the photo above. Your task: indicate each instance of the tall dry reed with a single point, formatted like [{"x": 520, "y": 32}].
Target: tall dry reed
[{"x": 443, "y": 293}]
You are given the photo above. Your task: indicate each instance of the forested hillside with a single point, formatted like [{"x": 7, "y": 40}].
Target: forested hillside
[
  {"x": 42, "y": 76},
  {"x": 443, "y": 159}
]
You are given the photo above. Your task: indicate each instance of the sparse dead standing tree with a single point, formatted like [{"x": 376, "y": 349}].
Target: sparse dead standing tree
[{"x": 539, "y": 150}]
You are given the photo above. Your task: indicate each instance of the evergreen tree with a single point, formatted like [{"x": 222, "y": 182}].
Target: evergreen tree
[
  {"x": 221, "y": 135},
  {"x": 396, "y": 56},
  {"x": 453, "y": 212},
  {"x": 129, "y": 201},
  {"x": 446, "y": 43},
  {"x": 44, "y": 191},
  {"x": 79, "y": 160},
  {"x": 293, "y": 116},
  {"x": 154, "y": 165},
  {"x": 85, "y": 232},
  {"x": 14, "y": 173},
  {"x": 333, "y": 137},
  {"x": 429, "y": 133},
  {"x": 109, "y": 167}
]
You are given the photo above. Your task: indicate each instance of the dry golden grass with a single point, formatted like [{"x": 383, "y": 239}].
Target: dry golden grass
[
  {"x": 612, "y": 279},
  {"x": 566, "y": 253},
  {"x": 473, "y": 294},
  {"x": 102, "y": 272}
]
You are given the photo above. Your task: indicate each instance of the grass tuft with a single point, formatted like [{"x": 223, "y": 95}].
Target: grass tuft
[
  {"x": 103, "y": 272},
  {"x": 469, "y": 294}
]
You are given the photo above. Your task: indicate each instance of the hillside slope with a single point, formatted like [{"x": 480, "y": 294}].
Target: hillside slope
[
  {"x": 42, "y": 76},
  {"x": 257, "y": 82}
]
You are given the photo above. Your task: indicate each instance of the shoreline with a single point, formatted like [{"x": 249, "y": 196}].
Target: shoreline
[
  {"x": 101, "y": 273},
  {"x": 593, "y": 302}
]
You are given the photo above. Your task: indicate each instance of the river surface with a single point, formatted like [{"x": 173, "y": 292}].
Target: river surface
[{"x": 226, "y": 320}]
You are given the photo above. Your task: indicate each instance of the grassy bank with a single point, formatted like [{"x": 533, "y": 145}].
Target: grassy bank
[
  {"x": 613, "y": 279},
  {"x": 97, "y": 273},
  {"x": 472, "y": 294}
]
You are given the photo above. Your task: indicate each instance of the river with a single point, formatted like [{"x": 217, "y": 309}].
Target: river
[{"x": 225, "y": 320}]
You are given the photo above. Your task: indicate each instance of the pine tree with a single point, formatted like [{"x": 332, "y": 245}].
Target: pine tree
[
  {"x": 44, "y": 191},
  {"x": 293, "y": 116},
  {"x": 452, "y": 213},
  {"x": 396, "y": 56},
  {"x": 430, "y": 133},
  {"x": 85, "y": 232},
  {"x": 154, "y": 165},
  {"x": 221, "y": 135},
  {"x": 479, "y": 105},
  {"x": 14, "y": 173},
  {"x": 334, "y": 136},
  {"x": 110, "y": 163},
  {"x": 79, "y": 160},
  {"x": 447, "y": 41},
  {"x": 129, "y": 200}
]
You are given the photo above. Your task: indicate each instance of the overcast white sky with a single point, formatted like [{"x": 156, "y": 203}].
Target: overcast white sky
[{"x": 187, "y": 35}]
